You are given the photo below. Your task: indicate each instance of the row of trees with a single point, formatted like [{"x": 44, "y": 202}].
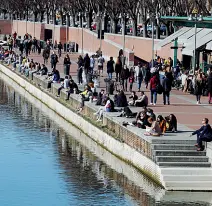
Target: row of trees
[{"x": 109, "y": 9}]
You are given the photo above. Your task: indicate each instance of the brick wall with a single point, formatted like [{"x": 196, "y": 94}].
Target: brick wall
[
  {"x": 5, "y": 27},
  {"x": 141, "y": 47}
]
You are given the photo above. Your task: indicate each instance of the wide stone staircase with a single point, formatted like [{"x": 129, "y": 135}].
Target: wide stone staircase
[{"x": 182, "y": 167}]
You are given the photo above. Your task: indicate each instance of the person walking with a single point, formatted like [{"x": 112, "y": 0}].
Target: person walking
[
  {"x": 147, "y": 75},
  {"x": 101, "y": 61},
  {"x": 139, "y": 75},
  {"x": 118, "y": 68},
  {"x": 209, "y": 82},
  {"x": 154, "y": 81},
  {"x": 54, "y": 60},
  {"x": 21, "y": 47},
  {"x": 86, "y": 64},
  {"x": 131, "y": 78},
  {"x": 203, "y": 134},
  {"x": 80, "y": 63},
  {"x": 60, "y": 47},
  {"x": 34, "y": 45},
  {"x": 198, "y": 86},
  {"x": 92, "y": 64},
  {"x": 110, "y": 68},
  {"x": 125, "y": 73},
  {"x": 167, "y": 86},
  {"x": 67, "y": 63},
  {"x": 46, "y": 53}
]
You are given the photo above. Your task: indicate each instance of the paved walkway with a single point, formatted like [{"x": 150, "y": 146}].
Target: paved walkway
[{"x": 183, "y": 105}]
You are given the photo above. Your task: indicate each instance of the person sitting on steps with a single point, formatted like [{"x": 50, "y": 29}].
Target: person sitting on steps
[
  {"x": 203, "y": 134},
  {"x": 142, "y": 101}
]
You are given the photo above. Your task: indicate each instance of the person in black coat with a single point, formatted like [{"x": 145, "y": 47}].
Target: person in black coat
[
  {"x": 121, "y": 100},
  {"x": 118, "y": 68},
  {"x": 86, "y": 63},
  {"x": 125, "y": 74},
  {"x": 209, "y": 82},
  {"x": 80, "y": 63},
  {"x": 167, "y": 86},
  {"x": 110, "y": 68},
  {"x": 198, "y": 87},
  {"x": 203, "y": 134}
]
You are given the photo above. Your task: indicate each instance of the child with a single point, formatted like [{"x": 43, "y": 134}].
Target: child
[{"x": 131, "y": 79}]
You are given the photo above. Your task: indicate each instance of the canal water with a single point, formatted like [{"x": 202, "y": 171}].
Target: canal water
[{"x": 45, "y": 161}]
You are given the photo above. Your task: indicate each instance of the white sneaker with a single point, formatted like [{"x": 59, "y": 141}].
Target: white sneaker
[
  {"x": 197, "y": 102},
  {"x": 151, "y": 103},
  {"x": 154, "y": 104}
]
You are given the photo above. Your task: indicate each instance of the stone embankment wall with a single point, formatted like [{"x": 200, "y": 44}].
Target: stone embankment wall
[{"x": 113, "y": 137}]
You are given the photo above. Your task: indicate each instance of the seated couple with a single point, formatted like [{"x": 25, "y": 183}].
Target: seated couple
[
  {"x": 146, "y": 119},
  {"x": 86, "y": 95},
  {"x": 162, "y": 125},
  {"x": 108, "y": 107},
  {"x": 141, "y": 101},
  {"x": 203, "y": 134},
  {"x": 141, "y": 120}
]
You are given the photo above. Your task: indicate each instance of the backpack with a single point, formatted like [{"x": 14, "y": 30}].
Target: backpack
[
  {"x": 140, "y": 73},
  {"x": 101, "y": 61},
  {"x": 112, "y": 105}
]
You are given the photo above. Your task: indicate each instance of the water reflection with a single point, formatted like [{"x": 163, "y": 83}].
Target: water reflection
[{"x": 85, "y": 173}]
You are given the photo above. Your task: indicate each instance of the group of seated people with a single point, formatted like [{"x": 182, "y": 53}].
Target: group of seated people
[
  {"x": 22, "y": 63},
  {"x": 120, "y": 99},
  {"x": 146, "y": 119}
]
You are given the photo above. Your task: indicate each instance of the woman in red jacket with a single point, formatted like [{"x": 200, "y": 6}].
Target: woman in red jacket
[{"x": 154, "y": 81}]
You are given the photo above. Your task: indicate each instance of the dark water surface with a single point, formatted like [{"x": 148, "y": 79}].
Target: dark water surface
[{"x": 44, "y": 161}]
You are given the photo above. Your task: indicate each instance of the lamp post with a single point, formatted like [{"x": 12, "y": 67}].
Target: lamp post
[
  {"x": 66, "y": 14},
  {"x": 124, "y": 16},
  {"x": 100, "y": 15},
  {"x": 153, "y": 18},
  {"x": 67, "y": 26},
  {"x": 195, "y": 18},
  {"x": 54, "y": 22},
  {"x": 81, "y": 18}
]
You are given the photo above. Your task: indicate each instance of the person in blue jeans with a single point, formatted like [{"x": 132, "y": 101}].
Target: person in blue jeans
[
  {"x": 167, "y": 86},
  {"x": 110, "y": 68},
  {"x": 154, "y": 81},
  {"x": 203, "y": 134}
]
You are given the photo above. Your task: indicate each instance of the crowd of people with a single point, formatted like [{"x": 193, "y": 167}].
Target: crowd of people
[{"x": 160, "y": 78}]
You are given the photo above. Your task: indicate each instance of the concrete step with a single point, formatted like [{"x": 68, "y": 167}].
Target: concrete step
[
  {"x": 187, "y": 185},
  {"x": 172, "y": 141},
  {"x": 192, "y": 178},
  {"x": 173, "y": 147},
  {"x": 184, "y": 164},
  {"x": 186, "y": 171},
  {"x": 178, "y": 153},
  {"x": 182, "y": 159}
]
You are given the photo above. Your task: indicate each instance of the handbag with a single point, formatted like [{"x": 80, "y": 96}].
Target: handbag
[{"x": 159, "y": 89}]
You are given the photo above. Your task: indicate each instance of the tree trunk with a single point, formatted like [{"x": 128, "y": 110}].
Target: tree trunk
[
  {"x": 73, "y": 20},
  {"x": 114, "y": 26},
  {"x": 61, "y": 17},
  {"x": 145, "y": 30},
  {"x": 157, "y": 32},
  {"x": 67, "y": 20},
  {"x": 134, "y": 27},
  {"x": 89, "y": 19},
  {"x": 27, "y": 15},
  {"x": 54, "y": 17},
  {"x": 41, "y": 16},
  {"x": 80, "y": 21},
  {"x": 47, "y": 17},
  {"x": 106, "y": 23}
]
